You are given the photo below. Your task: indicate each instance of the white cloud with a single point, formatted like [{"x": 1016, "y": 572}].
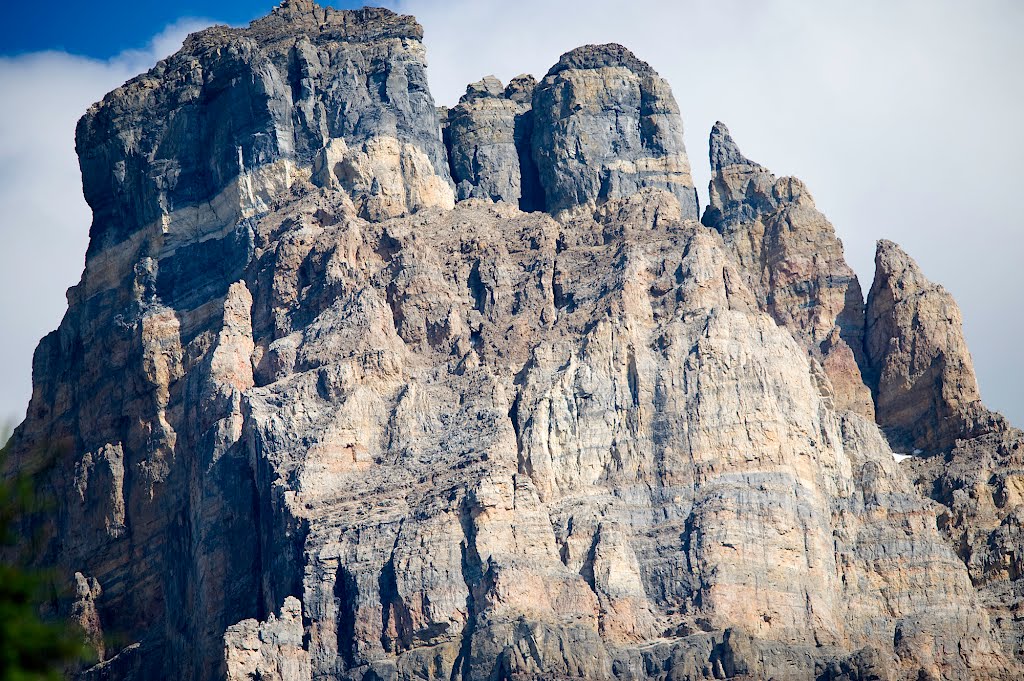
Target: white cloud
[
  {"x": 44, "y": 221},
  {"x": 903, "y": 118}
]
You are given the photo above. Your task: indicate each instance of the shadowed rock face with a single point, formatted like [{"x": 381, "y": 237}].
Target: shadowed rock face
[
  {"x": 606, "y": 126},
  {"x": 333, "y": 425},
  {"x": 927, "y": 394},
  {"x": 489, "y": 137},
  {"x": 793, "y": 261}
]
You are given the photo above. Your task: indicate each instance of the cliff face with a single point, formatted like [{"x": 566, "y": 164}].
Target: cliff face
[
  {"x": 794, "y": 263},
  {"x": 330, "y": 402}
]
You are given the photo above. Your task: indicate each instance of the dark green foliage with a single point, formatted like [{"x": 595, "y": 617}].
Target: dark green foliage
[{"x": 31, "y": 648}]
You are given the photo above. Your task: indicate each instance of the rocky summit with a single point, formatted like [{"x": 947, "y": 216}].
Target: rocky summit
[{"x": 354, "y": 387}]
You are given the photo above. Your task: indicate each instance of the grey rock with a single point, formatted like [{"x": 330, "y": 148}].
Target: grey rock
[
  {"x": 605, "y": 125},
  {"x": 461, "y": 473},
  {"x": 520, "y": 89},
  {"x": 488, "y": 136},
  {"x": 243, "y": 106},
  {"x": 467, "y": 441},
  {"x": 980, "y": 484}
]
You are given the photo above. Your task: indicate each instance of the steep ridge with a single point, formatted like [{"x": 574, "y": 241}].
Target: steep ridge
[
  {"x": 928, "y": 400},
  {"x": 794, "y": 262},
  {"x": 308, "y": 417}
]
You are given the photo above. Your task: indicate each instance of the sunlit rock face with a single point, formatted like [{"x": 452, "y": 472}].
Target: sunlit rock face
[
  {"x": 223, "y": 128},
  {"x": 353, "y": 391},
  {"x": 928, "y": 396}
]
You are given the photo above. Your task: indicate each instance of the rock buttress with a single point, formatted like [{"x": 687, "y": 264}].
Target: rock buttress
[
  {"x": 605, "y": 126},
  {"x": 793, "y": 261}
]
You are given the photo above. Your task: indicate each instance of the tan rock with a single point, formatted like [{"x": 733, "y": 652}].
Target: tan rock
[
  {"x": 473, "y": 442},
  {"x": 793, "y": 261},
  {"x": 384, "y": 177},
  {"x": 927, "y": 393},
  {"x": 271, "y": 650}
]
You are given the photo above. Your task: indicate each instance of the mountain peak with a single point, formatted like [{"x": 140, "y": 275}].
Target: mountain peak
[
  {"x": 723, "y": 150},
  {"x": 602, "y": 56},
  {"x": 927, "y": 393},
  {"x": 297, "y": 17},
  {"x": 354, "y": 389}
]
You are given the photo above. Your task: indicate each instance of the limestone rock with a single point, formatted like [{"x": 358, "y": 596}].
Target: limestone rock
[
  {"x": 927, "y": 394},
  {"x": 85, "y": 615},
  {"x": 468, "y": 441},
  {"x": 794, "y": 262},
  {"x": 980, "y": 485},
  {"x": 488, "y": 136},
  {"x": 269, "y": 651},
  {"x": 606, "y": 125},
  {"x": 386, "y": 177},
  {"x": 217, "y": 132}
]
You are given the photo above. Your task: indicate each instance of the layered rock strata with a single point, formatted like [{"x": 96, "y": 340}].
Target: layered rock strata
[
  {"x": 980, "y": 484},
  {"x": 927, "y": 393},
  {"x": 793, "y": 261},
  {"x": 345, "y": 428},
  {"x": 971, "y": 461},
  {"x": 489, "y": 138},
  {"x": 605, "y": 126},
  {"x": 216, "y": 133}
]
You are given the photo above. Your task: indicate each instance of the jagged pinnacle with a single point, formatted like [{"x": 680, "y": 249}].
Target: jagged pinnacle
[
  {"x": 723, "y": 151},
  {"x": 893, "y": 262}
]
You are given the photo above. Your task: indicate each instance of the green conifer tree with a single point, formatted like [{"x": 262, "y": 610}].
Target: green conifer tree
[{"x": 31, "y": 648}]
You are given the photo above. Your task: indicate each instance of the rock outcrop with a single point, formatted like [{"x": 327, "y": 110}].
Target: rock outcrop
[
  {"x": 269, "y": 651},
  {"x": 605, "y": 126},
  {"x": 489, "y": 137},
  {"x": 980, "y": 485},
  {"x": 793, "y": 261},
  {"x": 307, "y": 417},
  {"x": 218, "y": 131},
  {"x": 927, "y": 393}
]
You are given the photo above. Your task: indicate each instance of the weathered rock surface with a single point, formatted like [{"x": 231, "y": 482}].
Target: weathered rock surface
[
  {"x": 981, "y": 486},
  {"x": 973, "y": 461},
  {"x": 489, "y": 136},
  {"x": 465, "y": 441},
  {"x": 927, "y": 393},
  {"x": 269, "y": 651},
  {"x": 218, "y": 131},
  {"x": 606, "y": 125},
  {"x": 793, "y": 261}
]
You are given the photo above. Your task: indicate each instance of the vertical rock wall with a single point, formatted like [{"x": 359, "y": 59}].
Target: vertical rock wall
[
  {"x": 489, "y": 137},
  {"x": 606, "y": 125}
]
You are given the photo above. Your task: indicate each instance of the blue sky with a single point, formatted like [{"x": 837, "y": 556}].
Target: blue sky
[{"x": 105, "y": 28}]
